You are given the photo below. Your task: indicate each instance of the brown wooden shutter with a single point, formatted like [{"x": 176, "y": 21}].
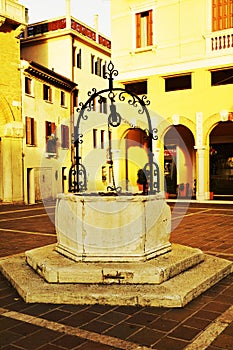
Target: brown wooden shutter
[
  {"x": 62, "y": 136},
  {"x": 28, "y": 130},
  {"x": 32, "y": 131},
  {"x": 47, "y": 131},
  {"x": 138, "y": 29},
  {"x": 230, "y": 14},
  {"x": 222, "y": 14},
  {"x": 67, "y": 137},
  {"x": 53, "y": 128},
  {"x": 214, "y": 16},
  {"x": 150, "y": 29}
]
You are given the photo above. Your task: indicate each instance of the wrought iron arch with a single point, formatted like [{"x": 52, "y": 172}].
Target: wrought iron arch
[{"x": 78, "y": 174}]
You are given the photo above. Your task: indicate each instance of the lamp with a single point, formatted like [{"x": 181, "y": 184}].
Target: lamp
[
  {"x": 114, "y": 118},
  {"x": 224, "y": 115}
]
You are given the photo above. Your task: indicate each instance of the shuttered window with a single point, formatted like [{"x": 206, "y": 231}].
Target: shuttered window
[
  {"x": 47, "y": 93},
  {"x": 144, "y": 29},
  {"x": 30, "y": 131},
  {"x": 28, "y": 86},
  {"x": 50, "y": 135},
  {"x": 79, "y": 59},
  {"x": 222, "y": 14},
  {"x": 64, "y": 136},
  {"x": 63, "y": 99}
]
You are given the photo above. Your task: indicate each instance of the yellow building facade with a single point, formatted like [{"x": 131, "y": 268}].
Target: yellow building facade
[
  {"x": 13, "y": 19},
  {"x": 179, "y": 53},
  {"x": 69, "y": 47},
  {"x": 46, "y": 115}
]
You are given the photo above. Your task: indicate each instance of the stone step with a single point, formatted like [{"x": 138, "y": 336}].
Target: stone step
[
  {"x": 175, "y": 292},
  {"x": 55, "y": 268}
]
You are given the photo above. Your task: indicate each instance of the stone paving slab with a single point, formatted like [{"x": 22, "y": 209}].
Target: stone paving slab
[
  {"x": 55, "y": 268},
  {"x": 207, "y": 226},
  {"x": 176, "y": 292}
]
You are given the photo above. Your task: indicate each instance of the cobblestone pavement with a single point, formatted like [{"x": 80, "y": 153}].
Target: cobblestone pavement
[{"x": 205, "y": 323}]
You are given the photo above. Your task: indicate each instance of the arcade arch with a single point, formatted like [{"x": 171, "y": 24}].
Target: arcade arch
[
  {"x": 179, "y": 162},
  {"x": 221, "y": 160}
]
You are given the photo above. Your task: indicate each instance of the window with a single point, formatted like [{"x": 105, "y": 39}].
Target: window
[
  {"x": 103, "y": 104},
  {"x": 104, "y": 69},
  {"x": 50, "y": 130},
  {"x": 64, "y": 136},
  {"x": 95, "y": 138},
  {"x": 47, "y": 93},
  {"x": 75, "y": 98},
  {"x": 138, "y": 88},
  {"x": 222, "y": 14},
  {"x": 28, "y": 86},
  {"x": 30, "y": 131},
  {"x": 79, "y": 59},
  {"x": 102, "y": 135},
  {"x": 97, "y": 67},
  {"x": 181, "y": 82},
  {"x": 92, "y": 64},
  {"x": 63, "y": 98},
  {"x": 222, "y": 77},
  {"x": 144, "y": 30}
]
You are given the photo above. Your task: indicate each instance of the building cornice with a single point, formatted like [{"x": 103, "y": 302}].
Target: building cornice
[{"x": 47, "y": 75}]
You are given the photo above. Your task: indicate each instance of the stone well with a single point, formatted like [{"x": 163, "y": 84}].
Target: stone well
[
  {"x": 112, "y": 228},
  {"x": 113, "y": 250}
]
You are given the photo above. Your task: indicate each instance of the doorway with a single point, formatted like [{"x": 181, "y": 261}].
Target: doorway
[
  {"x": 136, "y": 155},
  {"x": 179, "y": 162},
  {"x": 221, "y": 160}
]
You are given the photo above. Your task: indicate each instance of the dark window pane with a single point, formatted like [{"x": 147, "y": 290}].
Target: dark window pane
[
  {"x": 181, "y": 82},
  {"x": 139, "y": 88},
  {"x": 222, "y": 77}
]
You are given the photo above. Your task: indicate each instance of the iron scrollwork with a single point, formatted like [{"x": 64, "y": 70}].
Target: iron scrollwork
[{"x": 78, "y": 174}]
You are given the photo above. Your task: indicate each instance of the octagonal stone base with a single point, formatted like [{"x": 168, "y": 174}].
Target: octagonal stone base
[{"x": 108, "y": 229}]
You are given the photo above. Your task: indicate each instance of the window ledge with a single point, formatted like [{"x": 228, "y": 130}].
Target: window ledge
[
  {"x": 151, "y": 48},
  {"x": 63, "y": 106},
  {"x": 50, "y": 155},
  {"x": 47, "y": 101},
  {"x": 29, "y": 95}
]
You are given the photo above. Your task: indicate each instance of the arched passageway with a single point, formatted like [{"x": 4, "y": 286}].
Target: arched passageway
[
  {"x": 179, "y": 162},
  {"x": 221, "y": 160},
  {"x": 136, "y": 144}
]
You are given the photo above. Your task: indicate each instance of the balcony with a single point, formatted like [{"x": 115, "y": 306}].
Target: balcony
[
  {"x": 13, "y": 11},
  {"x": 220, "y": 42}
]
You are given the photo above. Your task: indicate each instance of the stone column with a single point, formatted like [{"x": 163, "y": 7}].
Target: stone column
[
  {"x": 200, "y": 171},
  {"x": 201, "y": 175}
]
